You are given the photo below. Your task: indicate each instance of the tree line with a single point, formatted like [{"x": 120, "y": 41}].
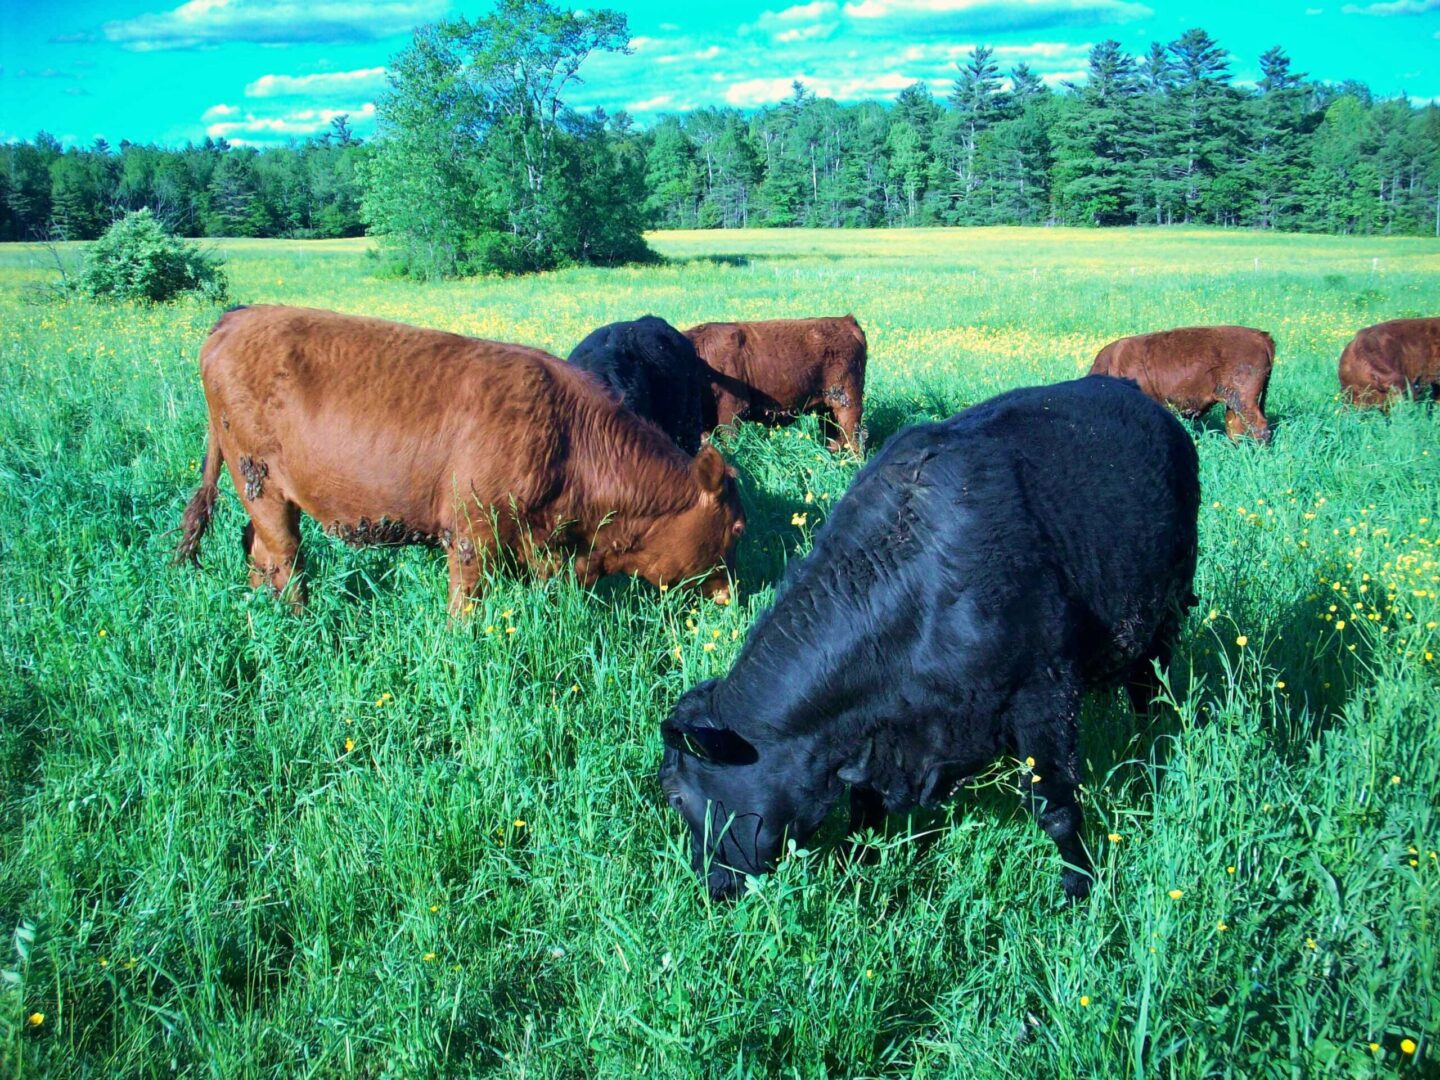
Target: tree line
[
  {"x": 309, "y": 189},
  {"x": 497, "y": 174},
  {"x": 1160, "y": 139}
]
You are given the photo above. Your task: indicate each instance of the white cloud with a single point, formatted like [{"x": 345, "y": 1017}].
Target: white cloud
[
  {"x": 659, "y": 101},
  {"x": 801, "y": 12},
  {"x": 752, "y": 92},
  {"x": 201, "y": 23},
  {"x": 253, "y": 129},
  {"x": 1007, "y": 14},
  {"x": 1393, "y": 7},
  {"x": 322, "y": 84},
  {"x": 1037, "y": 53},
  {"x": 704, "y": 54},
  {"x": 806, "y": 33},
  {"x": 218, "y": 112}
]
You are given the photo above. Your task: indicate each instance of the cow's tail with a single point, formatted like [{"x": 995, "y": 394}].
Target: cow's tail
[{"x": 201, "y": 506}]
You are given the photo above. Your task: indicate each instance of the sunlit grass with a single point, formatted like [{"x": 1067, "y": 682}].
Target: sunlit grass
[{"x": 240, "y": 842}]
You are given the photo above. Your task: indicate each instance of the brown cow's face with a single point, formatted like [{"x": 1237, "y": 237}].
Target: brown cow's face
[{"x": 698, "y": 542}]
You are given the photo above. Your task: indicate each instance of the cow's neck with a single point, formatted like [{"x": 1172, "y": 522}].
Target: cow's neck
[{"x": 626, "y": 470}]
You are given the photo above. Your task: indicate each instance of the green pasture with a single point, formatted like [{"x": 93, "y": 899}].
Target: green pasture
[{"x": 362, "y": 841}]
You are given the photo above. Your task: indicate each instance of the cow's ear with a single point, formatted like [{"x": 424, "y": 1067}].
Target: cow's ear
[
  {"x": 709, "y": 470},
  {"x": 720, "y": 746}
]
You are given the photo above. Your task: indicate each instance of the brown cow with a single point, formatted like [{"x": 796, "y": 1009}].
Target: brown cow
[
  {"x": 1400, "y": 358},
  {"x": 390, "y": 434},
  {"x": 1195, "y": 367},
  {"x": 779, "y": 369}
]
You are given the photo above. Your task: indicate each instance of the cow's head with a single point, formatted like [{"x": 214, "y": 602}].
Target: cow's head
[
  {"x": 698, "y": 542},
  {"x": 740, "y": 803}
]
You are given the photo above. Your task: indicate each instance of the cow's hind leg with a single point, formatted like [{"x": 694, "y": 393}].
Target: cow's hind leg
[
  {"x": 1047, "y": 737},
  {"x": 1243, "y": 415},
  {"x": 1142, "y": 683},
  {"x": 272, "y": 541}
]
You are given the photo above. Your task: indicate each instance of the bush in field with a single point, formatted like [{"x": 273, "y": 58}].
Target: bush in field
[
  {"x": 481, "y": 168},
  {"x": 137, "y": 259}
]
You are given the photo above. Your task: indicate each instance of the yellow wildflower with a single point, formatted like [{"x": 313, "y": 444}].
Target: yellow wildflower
[{"x": 1175, "y": 894}]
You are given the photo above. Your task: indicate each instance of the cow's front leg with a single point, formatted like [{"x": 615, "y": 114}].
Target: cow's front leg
[
  {"x": 1050, "y": 780},
  {"x": 466, "y": 555},
  {"x": 1052, "y": 802}
]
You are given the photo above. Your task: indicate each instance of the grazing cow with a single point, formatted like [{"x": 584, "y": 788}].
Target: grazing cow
[
  {"x": 652, "y": 368},
  {"x": 980, "y": 575},
  {"x": 1196, "y": 367},
  {"x": 1400, "y": 358},
  {"x": 390, "y": 434},
  {"x": 779, "y": 369}
]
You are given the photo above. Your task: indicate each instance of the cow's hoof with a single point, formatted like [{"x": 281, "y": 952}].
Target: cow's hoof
[{"x": 1076, "y": 884}]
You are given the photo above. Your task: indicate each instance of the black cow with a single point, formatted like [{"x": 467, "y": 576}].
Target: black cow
[
  {"x": 980, "y": 575},
  {"x": 652, "y": 368}
]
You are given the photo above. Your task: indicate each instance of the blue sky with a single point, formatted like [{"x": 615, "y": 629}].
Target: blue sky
[{"x": 264, "y": 71}]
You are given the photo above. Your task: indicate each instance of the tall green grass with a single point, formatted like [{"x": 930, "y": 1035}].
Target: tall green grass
[{"x": 240, "y": 842}]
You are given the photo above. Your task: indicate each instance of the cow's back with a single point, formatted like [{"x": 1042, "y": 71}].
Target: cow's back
[
  {"x": 1391, "y": 357},
  {"x": 347, "y": 411},
  {"x": 1050, "y": 523},
  {"x": 654, "y": 370},
  {"x": 1096, "y": 489}
]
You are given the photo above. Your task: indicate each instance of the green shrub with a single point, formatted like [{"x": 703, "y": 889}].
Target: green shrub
[{"x": 137, "y": 259}]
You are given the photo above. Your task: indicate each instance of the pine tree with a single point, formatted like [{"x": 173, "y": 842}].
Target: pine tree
[
  {"x": 977, "y": 102},
  {"x": 1212, "y": 167},
  {"x": 1278, "y": 163},
  {"x": 1094, "y": 149}
]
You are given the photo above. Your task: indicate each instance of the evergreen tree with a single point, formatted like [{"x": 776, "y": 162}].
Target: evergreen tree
[
  {"x": 1094, "y": 144},
  {"x": 1277, "y": 117},
  {"x": 977, "y": 102},
  {"x": 1209, "y": 149}
]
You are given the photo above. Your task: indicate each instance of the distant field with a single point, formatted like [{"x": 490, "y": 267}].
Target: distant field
[{"x": 238, "y": 842}]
